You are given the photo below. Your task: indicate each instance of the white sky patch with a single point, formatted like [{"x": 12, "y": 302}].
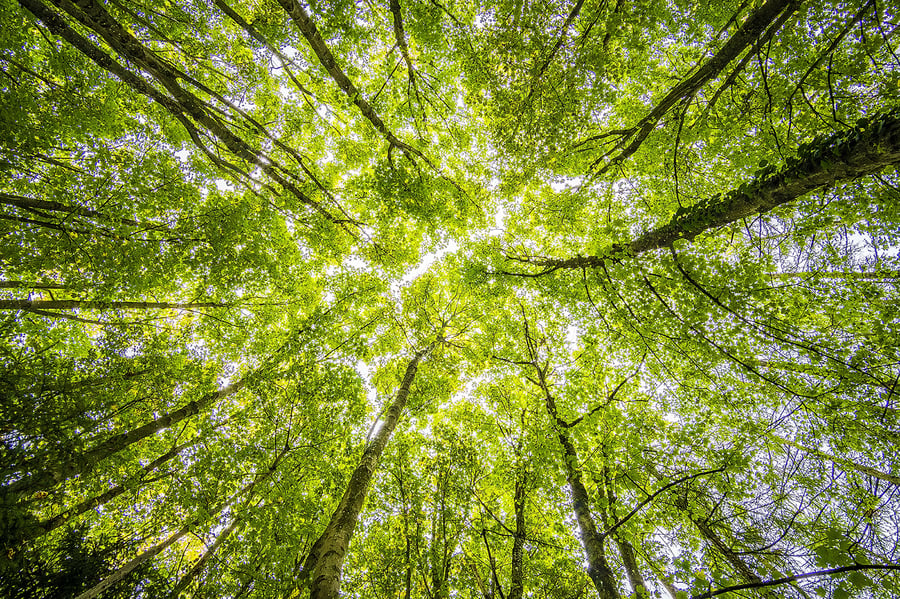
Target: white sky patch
[
  {"x": 566, "y": 183},
  {"x": 356, "y": 262},
  {"x": 426, "y": 262},
  {"x": 366, "y": 374},
  {"x": 499, "y": 221},
  {"x": 223, "y": 185},
  {"x": 182, "y": 155},
  {"x": 573, "y": 334}
]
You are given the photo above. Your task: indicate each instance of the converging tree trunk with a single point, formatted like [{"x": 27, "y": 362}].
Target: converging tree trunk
[
  {"x": 99, "y": 305},
  {"x": 866, "y": 149},
  {"x": 158, "y": 548},
  {"x": 197, "y": 568},
  {"x": 88, "y": 460},
  {"x": 517, "y": 572},
  {"x": 322, "y": 569},
  {"x": 42, "y": 528},
  {"x": 598, "y": 567},
  {"x": 763, "y": 22},
  {"x": 626, "y": 549}
]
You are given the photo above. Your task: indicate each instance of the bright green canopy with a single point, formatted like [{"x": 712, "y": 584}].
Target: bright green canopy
[{"x": 449, "y": 299}]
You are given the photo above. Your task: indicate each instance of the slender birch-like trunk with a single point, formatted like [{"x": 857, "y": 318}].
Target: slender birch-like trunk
[{"x": 55, "y": 522}]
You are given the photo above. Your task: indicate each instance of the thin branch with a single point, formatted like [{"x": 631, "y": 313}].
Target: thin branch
[
  {"x": 788, "y": 579},
  {"x": 652, "y": 496}
]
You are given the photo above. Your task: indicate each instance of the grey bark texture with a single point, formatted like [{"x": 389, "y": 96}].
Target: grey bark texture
[{"x": 323, "y": 567}]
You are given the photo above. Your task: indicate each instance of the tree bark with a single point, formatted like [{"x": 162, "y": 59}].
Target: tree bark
[
  {"x": 635, "y": 578},
  {"x": 155, "y": 550},
  {"x": 754, "y": 27},
  {"x": 598, "y": 568},
  {"x": 326, "y": 58},
  {"x": 849, "y": 464},
  {"x": 100, "y": 305},
  {"x": 517, "y": 572},
  {"x": 50, "y": 524},
  {"x": 851, "y": 154},
  {"x": 87, "y": 461},
  {"x": 191, "y": 574},
  {"x": 326, "y": 558},
  {"x": 626, "y": 550}
]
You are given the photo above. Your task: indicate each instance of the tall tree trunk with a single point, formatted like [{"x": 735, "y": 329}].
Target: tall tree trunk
[
  {"x": 772, "y": 12},
  {"x": 326, "y": 558},
  {"x": 306, "y": 26},
  {"x": 848, "y": 155},
  {"x": 844, "y": 462},
  {"x": 155, "y": 550},
  {"x": 55, "y": 522},
  {"x": 99, "y": 305},
  {"x": 598, "y": 568},
  {"x": 626, "y": 550},
  {"x": 517, "y": 572},
  {"x": 191, "y": 574},
  {"x": 635, "y": 578},
  {"x": 87, "y": 461},
  {"x": 52, "y": 206}
]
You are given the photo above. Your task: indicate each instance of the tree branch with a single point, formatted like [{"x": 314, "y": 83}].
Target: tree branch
[{"x": 787, "y": 579}]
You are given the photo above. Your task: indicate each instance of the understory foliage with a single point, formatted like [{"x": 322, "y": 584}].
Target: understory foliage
[{"x": 463, "y": 298}]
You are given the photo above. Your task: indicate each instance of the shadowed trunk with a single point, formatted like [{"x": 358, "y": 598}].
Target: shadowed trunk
[
  {"x": 517, "y": 574},
  {"x": 88, "y": 460},
  {"x": 55, "y": 522},
  {"x": 97, "y": 305},
  {"x": 155, "y": 550},
  {"x": 598, "y": 568}
]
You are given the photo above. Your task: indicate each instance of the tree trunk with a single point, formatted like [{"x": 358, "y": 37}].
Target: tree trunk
[
  {"x": 97, "y": 305},
  {"x": 750, "y": 31},
  {"x": 155, "y": 550},
  {"x": 46, "y": 526},
  {"x": 626, "y": 549},
  {"x": 306, "y": 26},
  {"x": 517, "y": 573},
  {"x": 598, "y": 568},
  {"x": 635, "y": 578},
  {"x": 51, "y": 206},
  {"x": 326, "y": 558},
  {"x": 87, "y": 461},
  {"x": 201, "y": 563},
  {"x": 849, "y": 464},
  {"x": 845, "y": 156}
]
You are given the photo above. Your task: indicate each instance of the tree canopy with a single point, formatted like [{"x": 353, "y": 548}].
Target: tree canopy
[{"x": 482, "y": 299}]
